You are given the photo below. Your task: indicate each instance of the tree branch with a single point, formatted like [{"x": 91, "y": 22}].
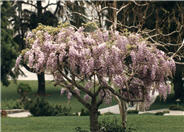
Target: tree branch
[
  {"x": 73, "y": 82},
  {"x": 182, "y": 45},
  {"x": 87, "y": 105},
  {"x": 101, "y": 99},
  {"x": 27, "y": 3},
  {"x": 80, "y": 14},
  {"x": 122, "y": 7},
  {"x": 28, "y": 68},
  {"x": 49, "y": 4}
]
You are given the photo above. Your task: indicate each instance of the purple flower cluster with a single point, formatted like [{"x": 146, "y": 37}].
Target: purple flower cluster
[{"x": 132, "y": 63}]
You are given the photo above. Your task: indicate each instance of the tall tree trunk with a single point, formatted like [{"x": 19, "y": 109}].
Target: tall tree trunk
[
  {"x": 94, "y": 119},
  {"x": 178, "y": 86},
  {"x": 39, "y": 8},
  {"x": 178, "y": 83},
  {"x": 41, "y": 84},
  {"x": 114, "y": 14},
  {"x": 41, "y": 77}
]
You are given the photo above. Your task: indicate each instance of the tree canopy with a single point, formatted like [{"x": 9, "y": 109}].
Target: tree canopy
[{"x": 8, "y": 46}]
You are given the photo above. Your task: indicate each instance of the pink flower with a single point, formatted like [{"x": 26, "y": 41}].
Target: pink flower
[
  {"x": 87, "y": 97},
  {"x": 18, "y": 61},
  {"x": 62, "y": 91},
  {"x": 69, "y": 95}
]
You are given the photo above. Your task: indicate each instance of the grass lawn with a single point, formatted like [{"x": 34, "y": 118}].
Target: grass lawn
[
  {"x": 142, "y": 123},
  {"x": 9, "y": 96}
]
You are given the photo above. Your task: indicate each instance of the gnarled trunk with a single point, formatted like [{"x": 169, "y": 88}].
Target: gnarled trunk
[
  {"x": 123, "y": 112},
  {"x": 41, "y": 84},
  {"x": 94, "y": 127}
]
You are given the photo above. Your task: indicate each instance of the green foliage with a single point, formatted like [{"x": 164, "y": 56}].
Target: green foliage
[
  {"x": 133, "y": 112},
  {"x": 40, "y": 107},
  {"x": 90, "y": 27},
  {"x": 85, "y": 112},
  {"x": 112, "y": 125},
  {"x": 23, "y": 89},
  {"x": 8, "y": 46},
  {"x": 162, "y": 112},
  {"x": 159, "y": 113},
  {"x": 176, "y": 107},
  {"x": 18, "y": 105},
  {"x": 108, "y": 113},
  {"x": 79, "y": 129},
  {"x": 62, "y": 110}
]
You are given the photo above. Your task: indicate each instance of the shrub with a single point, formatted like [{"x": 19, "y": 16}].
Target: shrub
[
  {"x": 79, "y": 129},
  {"x": 23, "y": 89},
  {"x": 18, "y": 104},
  {"x": 108, "y": 125},
  {"x": 159, "y": 113},
  {"x": 62, "y": 110},
  {"x": 108, "y": 113},
  {"x": 85, "y": 112},
  {"x": 133, "y": 112},
  {"x": 176, "y": 107},
  {"x": 162, "y": 113},
  {"x": 40, "y": 107}
]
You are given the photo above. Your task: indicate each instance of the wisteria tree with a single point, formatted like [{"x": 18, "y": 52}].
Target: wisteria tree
[{"x": 99, "y": 64}]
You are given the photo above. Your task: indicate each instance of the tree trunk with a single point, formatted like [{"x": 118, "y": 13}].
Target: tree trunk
[
  {"x": 123, "y": 112},
  {"x": 41, "y": 84},
  {"x": 39, "y": 8},
  {"x": 178, "y": 86},
  {"x": 115, "y": 14},
  {"x": 94, "y": 120},
  {"x": 178, "y": 83}
]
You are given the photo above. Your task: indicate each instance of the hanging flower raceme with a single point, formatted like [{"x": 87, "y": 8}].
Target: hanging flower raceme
[{"x": 127, "y": 62}]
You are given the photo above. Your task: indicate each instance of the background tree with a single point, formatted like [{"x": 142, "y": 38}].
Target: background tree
[
  {"x": 28, "y": 19},
  {"x": 8, "y": 46}
]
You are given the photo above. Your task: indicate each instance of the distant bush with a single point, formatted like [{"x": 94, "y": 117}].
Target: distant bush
[
  {"x": 23, "y": 89},
  {"x": 62, "y": 110},
  {"x": 161, "y": 113},
  {"x": 85, "y": 112},
  {"x": 176, "y": 107},
  {"x": 133, "y": 112},
  {"x": 108, "y": 113},
  {"x": 18, "y": 104},
  {"x": 112, "y": 125},
  {"x": 40, "y": 107}
]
